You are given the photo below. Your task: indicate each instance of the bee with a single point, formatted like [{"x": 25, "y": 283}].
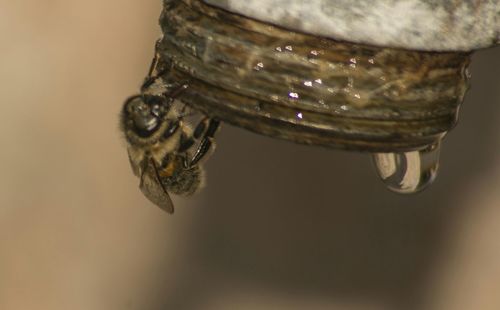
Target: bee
[{"x": 164, "y": 151}]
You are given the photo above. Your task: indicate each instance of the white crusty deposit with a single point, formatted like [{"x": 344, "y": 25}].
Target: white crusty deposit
[{"x": 437, "y": 25}]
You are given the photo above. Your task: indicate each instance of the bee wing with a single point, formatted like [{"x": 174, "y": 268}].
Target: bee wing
[
  {"x": 135, "y": 168},
  {"x": 153, "y": 189}
]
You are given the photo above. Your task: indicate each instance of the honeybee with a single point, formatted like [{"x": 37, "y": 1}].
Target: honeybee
[{"x": 164, "y": 151}]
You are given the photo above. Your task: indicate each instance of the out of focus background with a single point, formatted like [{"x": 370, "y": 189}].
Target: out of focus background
[{"x": 280, "y": 226}]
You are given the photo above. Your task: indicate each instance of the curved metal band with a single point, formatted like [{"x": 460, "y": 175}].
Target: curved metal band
[{"x": 309, "y": 89}]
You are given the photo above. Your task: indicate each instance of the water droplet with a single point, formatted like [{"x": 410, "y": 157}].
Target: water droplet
[
  {"x": 409, "y": 172},
  {"x": 467, "y": 73},
  {"x": 258, "y": 66}
]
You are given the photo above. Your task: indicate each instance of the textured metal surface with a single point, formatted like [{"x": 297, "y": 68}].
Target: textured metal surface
[{"x": 308, "y": 89}]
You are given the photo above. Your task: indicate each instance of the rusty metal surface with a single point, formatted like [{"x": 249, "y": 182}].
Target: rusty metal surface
[{"x": 309, "y": 89}]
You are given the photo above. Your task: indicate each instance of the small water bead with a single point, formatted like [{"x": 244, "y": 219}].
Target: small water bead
[
  {"x": 353, "y": 63},
  {"x": 408, "y": 172},
  {"x": 258, "y": 66}
]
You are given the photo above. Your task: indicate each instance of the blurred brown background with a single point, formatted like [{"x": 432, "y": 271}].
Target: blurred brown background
[{"x": 280, "y": 226}]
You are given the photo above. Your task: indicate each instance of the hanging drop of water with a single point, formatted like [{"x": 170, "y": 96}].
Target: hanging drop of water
[{"x": 409, "y": 172}]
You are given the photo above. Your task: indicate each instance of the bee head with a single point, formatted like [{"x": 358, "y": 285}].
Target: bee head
[{"x": 143, "y": 115}]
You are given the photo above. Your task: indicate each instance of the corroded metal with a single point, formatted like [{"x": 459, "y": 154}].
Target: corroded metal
[{"x": 310, "y": 89}]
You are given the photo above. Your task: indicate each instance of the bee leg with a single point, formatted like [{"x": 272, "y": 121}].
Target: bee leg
[
  {"x": 158, "y": 68},
  {"x": 206, "y": 130},
  {"x": 156, "y": 59},
  {"x": 207, "y": 142},
  {"x": 177, "y": 91},
  {"x": 188, "y": 141},
  {"x": 185, "y": 162},
  {"x": 152, "y": 77}
]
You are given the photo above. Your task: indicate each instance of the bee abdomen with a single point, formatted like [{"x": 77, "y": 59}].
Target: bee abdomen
[{"x": 186, "y": 182}]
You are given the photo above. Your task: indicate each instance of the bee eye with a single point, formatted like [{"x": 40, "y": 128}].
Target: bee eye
[
  {"x": 145, "y": 118},
  {"x": 156, "y": 110},
  {"x": 145, "y": 123}
]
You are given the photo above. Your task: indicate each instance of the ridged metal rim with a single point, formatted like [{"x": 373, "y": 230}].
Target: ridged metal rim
[{"x": 244, "y": 72}]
